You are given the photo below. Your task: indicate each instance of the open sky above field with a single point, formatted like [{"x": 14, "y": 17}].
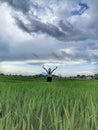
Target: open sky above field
[{"x": 59, "y": 33}]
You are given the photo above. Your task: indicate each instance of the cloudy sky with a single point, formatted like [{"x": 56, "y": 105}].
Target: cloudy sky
[{"x": 53, "y": 33}]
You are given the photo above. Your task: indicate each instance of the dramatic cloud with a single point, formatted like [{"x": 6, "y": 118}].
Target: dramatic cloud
[
  {"x": 39, "y": 27},
  {"x": 51, "y": 32},
  {"x": 39, "y": 17}
]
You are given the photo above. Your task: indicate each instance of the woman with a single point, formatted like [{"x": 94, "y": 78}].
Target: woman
[{"x": 49, "y": 73}]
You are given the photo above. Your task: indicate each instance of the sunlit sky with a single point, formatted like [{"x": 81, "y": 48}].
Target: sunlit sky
[{"x": 52, "y": 33}]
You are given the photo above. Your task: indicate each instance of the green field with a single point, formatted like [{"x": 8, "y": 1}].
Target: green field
[{"x": 28, "y": 103}]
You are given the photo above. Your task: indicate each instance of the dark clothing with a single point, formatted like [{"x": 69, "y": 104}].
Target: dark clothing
[{"x": 49, "y": 79}]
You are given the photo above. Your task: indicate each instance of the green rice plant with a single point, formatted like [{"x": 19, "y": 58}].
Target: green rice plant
[{"x": 34, "y": 104}]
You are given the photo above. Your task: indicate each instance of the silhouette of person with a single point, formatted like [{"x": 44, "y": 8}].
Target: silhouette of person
[{"x": 49, "y": 73}]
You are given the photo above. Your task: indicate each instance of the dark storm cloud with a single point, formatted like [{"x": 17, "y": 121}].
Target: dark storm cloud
[
  {"x": 39, "y": 27},
  {"x": 71, "y": 32},
  {"x": 68, "y": 31},
  {"x": 20, "y": 5},
  {"x": 62, "y": 30}
]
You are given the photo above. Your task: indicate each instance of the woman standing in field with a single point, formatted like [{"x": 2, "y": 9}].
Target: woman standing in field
[{"x": 49, "y": 73}]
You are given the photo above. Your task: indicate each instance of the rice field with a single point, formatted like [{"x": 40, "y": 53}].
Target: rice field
[{"x": 28, "y": 103}]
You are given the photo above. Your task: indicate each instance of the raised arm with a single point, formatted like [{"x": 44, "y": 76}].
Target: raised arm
[
  {"x": 45, "y": 69},
  {"x": 54, "y": 69}
]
